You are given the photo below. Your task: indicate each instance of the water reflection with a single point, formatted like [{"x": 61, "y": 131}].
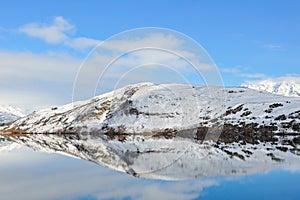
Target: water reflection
[
  {"x": 27, "y": 174},
  {"x": 168, "y": 159}
]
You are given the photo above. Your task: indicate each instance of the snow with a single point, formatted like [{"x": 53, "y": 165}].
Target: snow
[
  {"x": 258, "y": 103},
  {"x": 167, "y": 159},
  {"x": 286, "y": 86},
  {"x": 9, "y": 113},
  {"x": 7, "y": 146},
  {"x": 149, "y": 108},
  {"x": 145, "y": 109}
]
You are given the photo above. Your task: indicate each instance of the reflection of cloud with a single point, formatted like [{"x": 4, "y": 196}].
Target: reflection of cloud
[
  {"x": 51, "y": 176},
  {"x": 165, "y": 190}
]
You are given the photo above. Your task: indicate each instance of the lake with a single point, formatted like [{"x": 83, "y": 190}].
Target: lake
[{"x": 41, "y": 174}]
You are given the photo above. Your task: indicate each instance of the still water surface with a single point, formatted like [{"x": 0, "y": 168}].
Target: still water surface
[{"x": 28, "y": 174}]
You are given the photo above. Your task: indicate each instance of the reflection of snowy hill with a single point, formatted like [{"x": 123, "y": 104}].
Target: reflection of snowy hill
[
  {"x": 6, "y": 146},
  {"x": 149, "y": 108},
  {"x": 169, "y": 159},
  {"x": 287, "y": 86},
  {"x": 9, "y": 113}
]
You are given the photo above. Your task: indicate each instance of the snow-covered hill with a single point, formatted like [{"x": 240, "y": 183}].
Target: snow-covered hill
[
  {"x": 148, "y": 108},
  {"x": 286, "y": 86},
  {"x": 9, "y": 113}
]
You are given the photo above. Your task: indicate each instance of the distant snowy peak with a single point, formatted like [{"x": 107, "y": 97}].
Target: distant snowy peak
[
  {"x": 9, "y": 113},
  {"x": 286, "y": 86}
]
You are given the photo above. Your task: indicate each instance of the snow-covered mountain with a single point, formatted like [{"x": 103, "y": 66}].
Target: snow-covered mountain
[
  {"x": 286, "y": 86},
  {"x": 9, "y": 113},
  {"x": 169, "y": 159},
  {"x": 148, "y": 108}
]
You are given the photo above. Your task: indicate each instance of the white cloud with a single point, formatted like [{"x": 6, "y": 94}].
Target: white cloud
[
  {"x": 36, "y": 80},
  {"x": 82, "y": 43},
  {"x": 255, "y": 75},
  {"x": 129, "y": 52},
  {"x": 158, "y": 40},
  {"x": 26, "y": 65},
  {"x": 32, "y": 99},
  {"x": 99, "y": 69},
  {"x": 33, "y": 80},
  {"x": 54, "y": 32},
  {"x": 153, "y": 46},
  {"x": 155, "y": 50}
]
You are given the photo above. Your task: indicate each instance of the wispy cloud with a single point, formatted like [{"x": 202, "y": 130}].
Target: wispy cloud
[
  {"x": 48, "y": 78},
  {"x": 241, "y": 73},
  {"x": 129, "y": 59},
  {"x": 58, "y": 31},
  {"x": 82, "y": 43},
  {"x": 54, "y": 32},
  {"x": 1, "y": 32},
  {"x": 154, "y": 56},
  {"x": 272, "y": 46}
]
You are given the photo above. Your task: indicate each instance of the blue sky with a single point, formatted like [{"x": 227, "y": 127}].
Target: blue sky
[{"x": 248, "y": 40}]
